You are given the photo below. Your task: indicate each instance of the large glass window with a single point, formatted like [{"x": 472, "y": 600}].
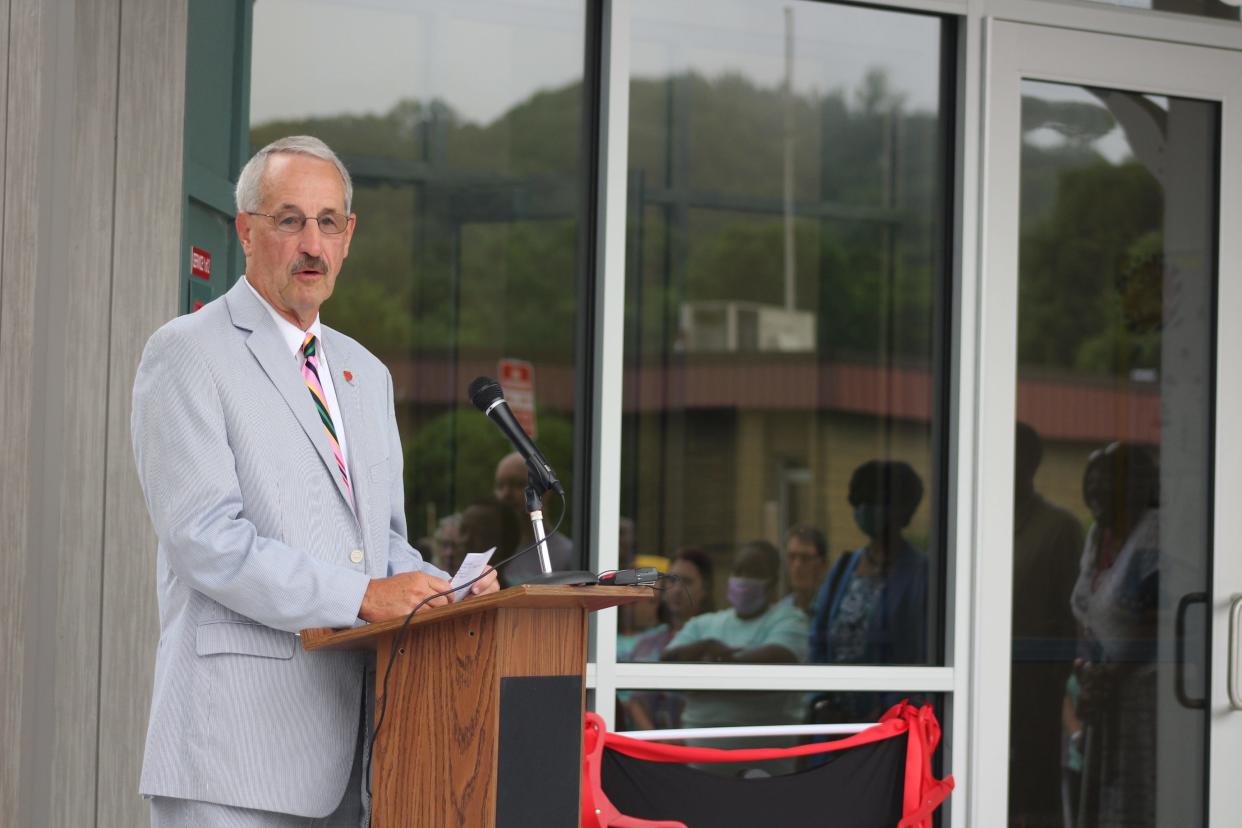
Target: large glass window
[
  {"x": 462, "y": 126},
  {"x": 1112, "y": 541},
  {"x": 784, "y": 373}
]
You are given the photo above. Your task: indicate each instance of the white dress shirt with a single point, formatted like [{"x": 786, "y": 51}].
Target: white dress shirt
[{"x": 294, "y": 336}]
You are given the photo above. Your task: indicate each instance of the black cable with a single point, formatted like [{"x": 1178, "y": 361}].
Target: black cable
[
  {"x": 399, "y": 638},
  {"x": 676, "y": 581}
]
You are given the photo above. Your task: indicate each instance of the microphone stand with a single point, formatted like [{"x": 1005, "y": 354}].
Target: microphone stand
[{"x": 534, "y": 506}]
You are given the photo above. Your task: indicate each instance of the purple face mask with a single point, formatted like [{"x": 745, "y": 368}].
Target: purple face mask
[{"x": 747, "y": 595}]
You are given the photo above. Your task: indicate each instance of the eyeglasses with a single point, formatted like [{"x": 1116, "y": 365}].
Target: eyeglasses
[{"x": 292, "y": 221}]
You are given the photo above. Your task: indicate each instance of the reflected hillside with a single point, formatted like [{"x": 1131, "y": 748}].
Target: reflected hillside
[
  {"x": 1092, "y": 260},
  {"x": 468, "y": 232},
  {"x": 469, "y": 240}
]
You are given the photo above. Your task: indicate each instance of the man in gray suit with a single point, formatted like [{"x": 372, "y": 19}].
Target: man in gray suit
[{"x": 268, "y": 452}]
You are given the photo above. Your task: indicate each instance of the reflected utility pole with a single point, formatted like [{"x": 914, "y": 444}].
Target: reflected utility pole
[{"x": 791, "y": 275}]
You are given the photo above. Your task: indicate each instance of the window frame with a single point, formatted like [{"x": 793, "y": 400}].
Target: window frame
[{"x": 962, "y": 678}]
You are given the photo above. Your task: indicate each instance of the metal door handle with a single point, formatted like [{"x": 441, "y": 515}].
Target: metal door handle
[
  {"x": 1179, "y": 680},
  {"x": 1235, "y": 641}
]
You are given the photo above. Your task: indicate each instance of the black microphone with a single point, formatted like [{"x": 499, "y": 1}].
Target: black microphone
[{"x": 488, "y": 397}]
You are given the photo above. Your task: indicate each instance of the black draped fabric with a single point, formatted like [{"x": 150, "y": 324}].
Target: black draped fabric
[{"x": 860, "y": 787}]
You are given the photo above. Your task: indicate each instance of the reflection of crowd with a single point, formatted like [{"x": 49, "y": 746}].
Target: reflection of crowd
[
  {"x": 872, "y": 607},
  {"x": 1082, "y": 724},
  {"x": 756, "y": 628},
  {"x": 690, "y": 595},
  {"x": 1084, "y": 628},
  {"x": 1083, "y": 707},
  {"x": 1115, "y": 601},
  {"x": 501, "y": 521},
  {"x": 868, "y": 607}
]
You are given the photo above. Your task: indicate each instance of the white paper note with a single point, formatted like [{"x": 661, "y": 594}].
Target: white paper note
[{"x": 471, "y": 568}]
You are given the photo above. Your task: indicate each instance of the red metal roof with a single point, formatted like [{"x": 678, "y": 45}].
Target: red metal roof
[{"x": 1058, "y": 408}]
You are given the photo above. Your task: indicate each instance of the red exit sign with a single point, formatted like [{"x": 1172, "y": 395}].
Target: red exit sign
[
  {"x": 200, "y": 263},
  {"x": 517, "y": 379}
]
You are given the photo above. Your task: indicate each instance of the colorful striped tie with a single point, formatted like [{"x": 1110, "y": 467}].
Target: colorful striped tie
[{"x": 310, "y": 372}]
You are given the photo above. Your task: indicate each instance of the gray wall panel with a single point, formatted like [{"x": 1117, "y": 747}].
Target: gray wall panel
[
  {"x": 74, "y": 166},
  {"x": 145, "y": 295},
  {"x": 17, "y": 346},
  {"x": 16, "y": 295},
  {"x": 77, "y": 614},
  {"x": 78, "y": 283}
]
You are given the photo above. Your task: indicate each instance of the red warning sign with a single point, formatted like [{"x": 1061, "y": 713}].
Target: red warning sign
[
  {"x": 200, "y": 263},
  {"x": 517, "y": 379}
]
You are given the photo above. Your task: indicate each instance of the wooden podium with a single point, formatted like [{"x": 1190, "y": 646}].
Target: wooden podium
[{"x": 485, "y": 708}]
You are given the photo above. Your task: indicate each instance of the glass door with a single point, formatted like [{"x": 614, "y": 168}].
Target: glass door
[{"x": 1106, "y": 518}]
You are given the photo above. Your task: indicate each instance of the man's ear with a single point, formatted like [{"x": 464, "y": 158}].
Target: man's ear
[
  {"x": 350, "y": 224},
  {"x": 242, "y": 222}
]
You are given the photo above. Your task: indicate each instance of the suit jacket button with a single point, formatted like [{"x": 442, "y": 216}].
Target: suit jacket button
[{"x": 356, "y": 556}]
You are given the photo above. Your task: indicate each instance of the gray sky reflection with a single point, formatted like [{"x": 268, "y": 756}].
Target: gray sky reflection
[
  {"x": 1113, "y": 145},
  {"x": 363, "y": 56},
  {"x": 485, "y": 56},
  {"x": 834, "y": 46}
]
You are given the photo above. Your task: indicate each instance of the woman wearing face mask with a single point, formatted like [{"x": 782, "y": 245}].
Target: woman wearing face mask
[
  {"x": 754, "y": 629},
  {"x": 872, "y": 607}
]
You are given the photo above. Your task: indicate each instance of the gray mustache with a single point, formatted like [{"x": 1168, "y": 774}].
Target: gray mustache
[{"x": 309, "y": 263}]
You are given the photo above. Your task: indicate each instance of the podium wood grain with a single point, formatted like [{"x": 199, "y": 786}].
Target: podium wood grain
[{"x": 435, "y": 759}]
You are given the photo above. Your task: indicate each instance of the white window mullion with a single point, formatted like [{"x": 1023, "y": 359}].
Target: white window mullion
[
  {"x": 608, "y": 353},
  {"x": 996, "y": 370},
  {"x": 964, "y": 409},
  {"x": 797, "y": 677}
]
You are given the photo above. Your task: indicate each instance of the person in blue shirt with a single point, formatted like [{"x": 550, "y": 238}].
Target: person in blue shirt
[{"x": 872, "y": 609}]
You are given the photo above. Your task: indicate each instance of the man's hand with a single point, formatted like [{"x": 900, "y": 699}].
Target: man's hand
[
  {"x": 388, "y": 598},
  {"x": 488, "y": 583}
]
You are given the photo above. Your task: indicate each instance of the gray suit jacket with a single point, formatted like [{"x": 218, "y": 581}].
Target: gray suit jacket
[{"x": 256, "y": 541}]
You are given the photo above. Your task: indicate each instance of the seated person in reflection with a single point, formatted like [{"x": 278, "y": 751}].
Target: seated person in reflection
[
  {"x": 636, "y": 620},
  {"x": 509, "y": 487},
  {"x": 806, "y": 561},
  {"x": 448, "y": 541},
  {"x": 689, "y": 595},
  {"x": 755, "y": 629},
  {"x": 1116, "y": 600},
  {"x": 484, "y": 524},
  {"x": 872, "y": 607}
]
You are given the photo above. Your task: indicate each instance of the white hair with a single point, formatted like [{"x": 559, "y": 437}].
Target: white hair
[{"x": 248, "y": 194}]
